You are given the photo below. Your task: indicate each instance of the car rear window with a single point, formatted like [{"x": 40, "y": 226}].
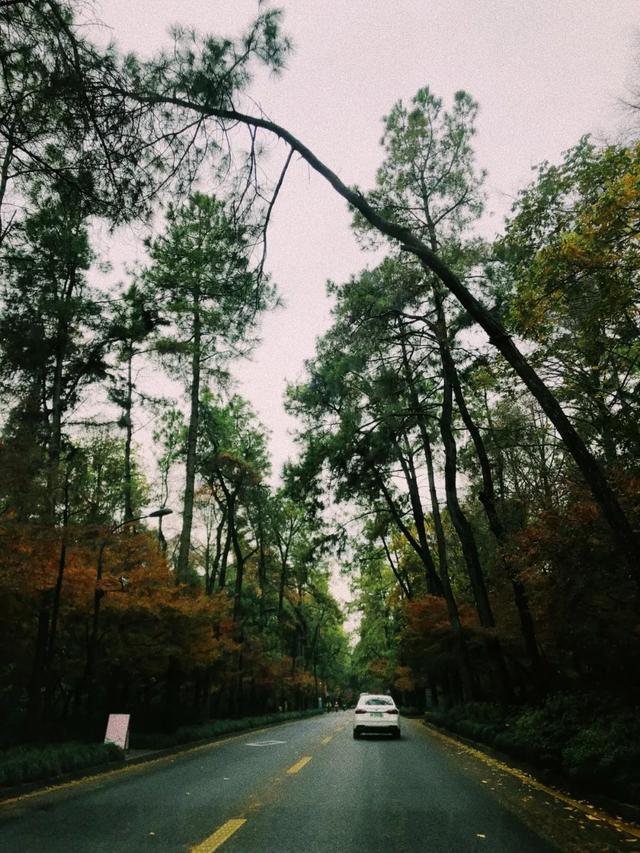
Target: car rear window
[{"x": 378, "y": 700}]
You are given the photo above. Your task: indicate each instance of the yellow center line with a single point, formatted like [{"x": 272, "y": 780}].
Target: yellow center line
[
  {"x": 327, "y": 739},
  {"x": 299, "y": 765},
  {"x": 586, "y": 808},
  {"x": 222, "y": 834}
]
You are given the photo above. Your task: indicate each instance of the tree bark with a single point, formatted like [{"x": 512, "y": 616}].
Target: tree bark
[
  {"x": 182, "y": 567},
  {"x": 488, "y": 500},
  {"x": 462, "y": 654},
  {"x": 434, "y": 586},
  {"x": 128, "y": 476}
]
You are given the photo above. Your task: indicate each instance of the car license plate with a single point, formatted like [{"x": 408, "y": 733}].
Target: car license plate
[{"x": 376, "y": 714}]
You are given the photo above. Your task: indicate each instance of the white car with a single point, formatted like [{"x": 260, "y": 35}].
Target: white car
[{"x": 376, "y": 713}]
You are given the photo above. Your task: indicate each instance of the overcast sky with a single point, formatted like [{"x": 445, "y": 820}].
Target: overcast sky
[{"x": 544, "y": 72}]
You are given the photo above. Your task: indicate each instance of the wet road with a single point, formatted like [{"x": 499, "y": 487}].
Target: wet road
[{"x": 308, "y": 786}]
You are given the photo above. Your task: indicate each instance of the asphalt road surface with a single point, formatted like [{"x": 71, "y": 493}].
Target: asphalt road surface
[{"x": 308, "y": 787}]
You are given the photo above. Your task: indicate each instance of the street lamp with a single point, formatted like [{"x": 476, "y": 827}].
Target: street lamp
[
  {"x": 159, "y": 514},
  {"x": 156, "y": 513}
]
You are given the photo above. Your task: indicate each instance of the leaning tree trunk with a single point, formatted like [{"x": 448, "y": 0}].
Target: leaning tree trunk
[
  {"x": 626, "y": 538},
  {"x": 624, "y": 535},
  {"x": 458, "y": 518}
]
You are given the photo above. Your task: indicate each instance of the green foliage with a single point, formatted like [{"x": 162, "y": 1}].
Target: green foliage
[
  {"x": 568, "y": 281},
  {"x": 482, "y": 721},
  {"x": 213, "y": 729},
  {"x": 589, "y": 738},
  {"x": 204, "y": 289},
  {"x": 50, "y": 319},
  {"x": 43, "y": 763},
  {"x": 428, "y": 180},
  {"x": 90, "y": 116}
]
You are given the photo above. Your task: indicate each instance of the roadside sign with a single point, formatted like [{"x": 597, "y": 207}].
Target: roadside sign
[{"x": 118, "y": 730}]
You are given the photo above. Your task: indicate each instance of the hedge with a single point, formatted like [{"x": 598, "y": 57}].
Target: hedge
[{"x": 586, "y": 738}]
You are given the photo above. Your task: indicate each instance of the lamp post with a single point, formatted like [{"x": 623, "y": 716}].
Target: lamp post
[
  {"x": 89, "y": 674},
  {"x": 156, "y": 513}
]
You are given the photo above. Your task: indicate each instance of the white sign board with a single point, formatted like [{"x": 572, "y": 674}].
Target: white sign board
[{"x": 118, "y": 730}]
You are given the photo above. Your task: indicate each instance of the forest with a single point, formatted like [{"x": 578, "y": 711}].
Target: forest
[{"x": 471, "y": 416}]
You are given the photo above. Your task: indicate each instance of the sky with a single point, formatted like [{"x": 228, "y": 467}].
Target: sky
[{"x": 543, "y": 71}]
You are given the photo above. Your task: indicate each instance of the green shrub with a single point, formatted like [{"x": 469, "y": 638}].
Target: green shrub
[
  {"x": 589, "y": 738},
  {"x": 481, "y": 721},
  {"x": 607, "y": 749},
  {"x": 410, "y": 711},
  {"x": 32, "y": 763},
  {"x": 212, "y": 729},
  {"x": 539, "y": 734}
]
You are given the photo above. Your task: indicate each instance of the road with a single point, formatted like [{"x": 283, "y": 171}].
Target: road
[{"x": 308, "y": 786}]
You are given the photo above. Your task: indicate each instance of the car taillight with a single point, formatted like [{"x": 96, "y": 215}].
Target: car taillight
[
  {"x": 360, "y": 711},
  {"x": 392, "y": 711}
]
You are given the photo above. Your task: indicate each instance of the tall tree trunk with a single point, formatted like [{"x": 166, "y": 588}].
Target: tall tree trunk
[
  {"x": 434, "y": 586},
  {"x": 182, "y": 567},
  {"x": 488, "y": 500},
  {"x": 128, "y": 475},
  {"x": 38, "y": 670},
  {"x": 237, "y": 590},
  {"x": 464, "y": 665},
  {"x": 237, "y": 551},
  {"x": 400, "y": 576},
  {"x": 462, "y": 653},
  {"x": 424, "y": 552},
  {"x": 212, "y": 570},
  {"x": 57, "y": 596},
  {"x": 467, "y": 539},
  {"x": 458, "y": 518},
  {"x": 222, "y": 577}
]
